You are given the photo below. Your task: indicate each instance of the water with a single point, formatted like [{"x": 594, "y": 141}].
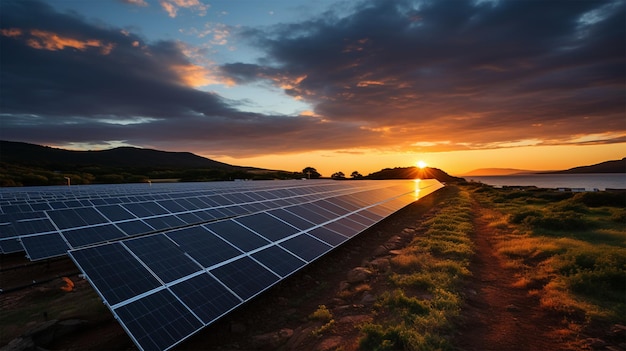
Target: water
[{"x": 590, "y": 181}]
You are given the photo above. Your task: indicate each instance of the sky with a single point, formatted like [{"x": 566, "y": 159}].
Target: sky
[{"x": 335, "y": 85}]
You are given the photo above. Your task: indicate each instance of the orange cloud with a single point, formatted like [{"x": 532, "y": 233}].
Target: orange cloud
[
  {"x": 172, "y": 6},
  {"x": 44, "y": 40},
  {"x": 197, "y": 76},
  {"x": 11, "y": 32}
]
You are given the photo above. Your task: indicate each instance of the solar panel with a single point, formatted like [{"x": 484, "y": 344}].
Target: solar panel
[
  {"x": 199, "y": 273},
  {"x": 171, "y": 259},
  {"x": 138, "y": 210}
]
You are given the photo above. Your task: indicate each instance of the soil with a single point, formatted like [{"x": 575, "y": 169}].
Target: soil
[{"x": 496, "y": 315}]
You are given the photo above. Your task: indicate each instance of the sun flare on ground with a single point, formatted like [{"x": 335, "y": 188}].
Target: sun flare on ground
[{"x": 421, "y": 164}]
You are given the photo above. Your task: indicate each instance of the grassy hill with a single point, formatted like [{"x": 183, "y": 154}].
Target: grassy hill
[
  {"x": 614, "y": 166},
  {"x": 23, "y": 164}
]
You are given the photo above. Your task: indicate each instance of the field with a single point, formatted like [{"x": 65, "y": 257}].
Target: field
[{"x": 467, "y": 268}]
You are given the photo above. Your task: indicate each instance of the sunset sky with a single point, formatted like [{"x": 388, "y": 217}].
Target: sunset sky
[{"x": 336, "y": 85}]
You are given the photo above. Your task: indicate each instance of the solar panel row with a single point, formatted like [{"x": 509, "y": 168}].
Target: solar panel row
[
  {"x": 166, "y": 286},
  {"x": 70, "y": 228}
]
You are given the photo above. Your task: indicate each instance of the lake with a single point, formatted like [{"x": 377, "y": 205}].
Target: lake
[{"x": 588, "y": 181}]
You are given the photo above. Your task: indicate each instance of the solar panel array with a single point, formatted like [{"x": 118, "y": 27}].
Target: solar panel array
[
  {"x": 47, "y": 222},
  {"x": 164, "y": 287},
  {"x": 170, "y": 259}
]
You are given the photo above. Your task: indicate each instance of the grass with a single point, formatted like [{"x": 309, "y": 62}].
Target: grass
[
  {"x": 570, "y": 248},
  {"x": 418, "y": 311},
  {"x": 573, "y": 247}
]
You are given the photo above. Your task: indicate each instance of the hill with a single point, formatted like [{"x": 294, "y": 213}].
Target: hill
[
  {"x": 414, "y": 173},
  {"x": 48, "y": 157},
  {"x": 614, "y": 166},
  {"x": 23, "y": 164}
]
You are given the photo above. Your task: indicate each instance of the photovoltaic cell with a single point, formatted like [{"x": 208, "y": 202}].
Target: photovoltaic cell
[
  {"x": 206, "y": 297},
  {"x": 163, "y": 257},
  {"x": 85, "y": 236},
  {"x": 268, "y": 226},
  {"x": 116, "y": 273},
  {"x": 306, "y": 247},
  {"x": 279, "y": 261},
  {"x": 241, "y": 237},
  {"x": 203, "y": 245},
  {"x": 115, "y": 213},
  {"x": 158, "y": 321},
  {"x": 10, "y": 246},
  {"x": 46, "y": 245},
  {"x": 331, "y": 237},
  {"x": 291, "y": 218},
  {"x": 245, "y": 277},
  {"x": 135, "y": 227}
]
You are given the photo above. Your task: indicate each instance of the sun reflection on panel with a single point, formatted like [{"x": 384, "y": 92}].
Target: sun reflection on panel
[{"x": 417, "y": 188}]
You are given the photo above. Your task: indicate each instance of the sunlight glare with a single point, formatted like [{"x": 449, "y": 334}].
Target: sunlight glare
[
  {"x": 421, "y": 164},
  {"x": 417, "y": 188}
]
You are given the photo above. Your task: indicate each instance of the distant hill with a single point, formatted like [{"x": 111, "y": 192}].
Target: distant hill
[
  {"x": 24, "y": 164},
  {"x": 123, "y": 157},
  {"x": 495, "y": 172},
  {"x": 414, "y": 173},
  {"x": 615, "y": 166}
]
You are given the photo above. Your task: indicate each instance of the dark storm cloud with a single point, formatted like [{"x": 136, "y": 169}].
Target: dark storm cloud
[
  {"x": 65, "y": 80},
  {"x": 474, "y": 73}
]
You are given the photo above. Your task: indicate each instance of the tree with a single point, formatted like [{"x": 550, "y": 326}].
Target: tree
[
  {"x": 338, "y": 175},
  {"x": 356, "y": 175},
  {"x": 311, "y": 173}
]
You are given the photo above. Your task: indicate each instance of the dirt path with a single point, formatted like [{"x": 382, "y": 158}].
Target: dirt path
[{"x": 499, "y": 316}]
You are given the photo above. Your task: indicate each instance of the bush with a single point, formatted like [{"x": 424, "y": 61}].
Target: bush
[
  {"x": 602, "y": 198},
  {"x": 559, "y": 221},
  {"x": 596, "y": 272}
]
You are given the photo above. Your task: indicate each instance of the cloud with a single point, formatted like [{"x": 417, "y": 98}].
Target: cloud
[
  {"x": 172, "y": 6},
  {"x": 44, "y": 40},
  {"x": 141, "y": 3},
  {"x": 427, "y": 77},
  {"x": 476, "y": 73}
]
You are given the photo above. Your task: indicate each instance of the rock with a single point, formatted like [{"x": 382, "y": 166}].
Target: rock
[
  {"x": 368, "y": 299},
  {"x": 380, "y": 264},
  {"x": 272, "y": 340},
  {"x": 393, "y": 242},
  {"x": 358, "y": 275},
  {"x": 408, "y": 231},
  {"x": 298, "y": 337},
  {"x": 355, "y": 320},
  {"x": 380, "y": 251},
  {"x": 344, "y": 285},
  {"x": 331, "y": 343}
]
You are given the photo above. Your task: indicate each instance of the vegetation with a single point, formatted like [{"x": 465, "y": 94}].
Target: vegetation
[
  {"x": 569, "y": 247},
  {"x": 576, "y": 241},
  {"x": 418, "y": 311}
]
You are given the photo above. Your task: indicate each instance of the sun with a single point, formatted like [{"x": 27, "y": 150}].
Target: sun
[{"x": 421, "y": 164}]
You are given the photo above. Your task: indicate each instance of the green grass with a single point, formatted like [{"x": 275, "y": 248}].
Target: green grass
[
  {"x": 576, "y": 243},
  {"x": 418, "y": 312}
]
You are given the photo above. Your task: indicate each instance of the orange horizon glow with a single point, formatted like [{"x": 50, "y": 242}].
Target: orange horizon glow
[{"x": 531, "y": 158}]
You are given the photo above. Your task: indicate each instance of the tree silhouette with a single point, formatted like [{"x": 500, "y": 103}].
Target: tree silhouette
[
  {"x": 356, "y": 175},
  {"x": 338, "y": 175},
  {"x": 311, "y": 173}
]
